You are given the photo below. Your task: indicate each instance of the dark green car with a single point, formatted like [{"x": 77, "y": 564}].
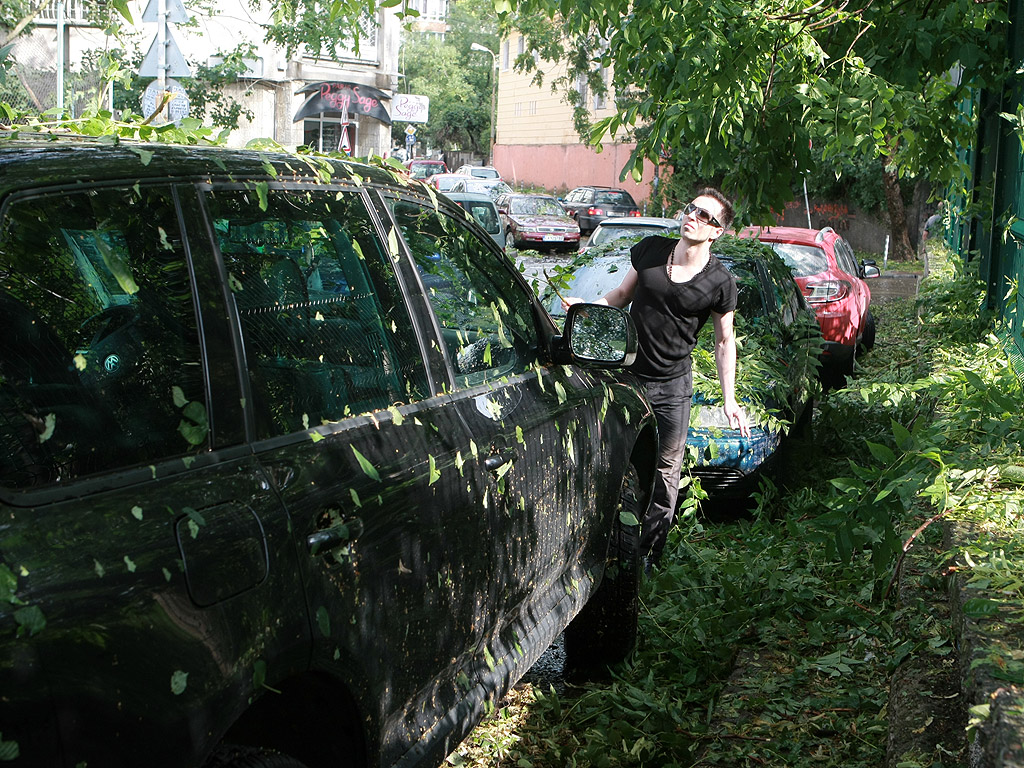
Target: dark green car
[{"x": 295, "y": 469}]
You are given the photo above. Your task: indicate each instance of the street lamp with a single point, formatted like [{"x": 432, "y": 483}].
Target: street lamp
[{"x": 494, "y": 83}]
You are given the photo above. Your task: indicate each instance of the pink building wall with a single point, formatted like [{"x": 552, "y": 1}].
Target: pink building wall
[{"x": 560, "y": 167}]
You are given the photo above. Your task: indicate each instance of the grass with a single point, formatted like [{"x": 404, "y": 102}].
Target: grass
[{"x": 770, "y": 638}]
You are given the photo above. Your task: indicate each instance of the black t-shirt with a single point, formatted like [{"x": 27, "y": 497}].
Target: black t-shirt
[{"x": 669, "y": 315}]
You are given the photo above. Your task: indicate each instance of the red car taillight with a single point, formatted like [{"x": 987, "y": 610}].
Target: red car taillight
[
  {"x": 634, "y": 213},
  {"x": 826, "y": 290},
  {"x": 594, "y": 211}
]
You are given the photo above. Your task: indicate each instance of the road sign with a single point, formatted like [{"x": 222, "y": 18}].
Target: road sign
[
  {"x": 176, "y": 66},
  {"x": 177, "y": 107},
  {"x": 176, "y": 13},
  {"x": 410, "y": 130}
]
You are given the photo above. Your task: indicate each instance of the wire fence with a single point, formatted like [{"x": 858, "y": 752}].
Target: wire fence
[{"x": 33, "y": 84}]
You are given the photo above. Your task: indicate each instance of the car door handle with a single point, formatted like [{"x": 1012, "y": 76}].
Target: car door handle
[
  {"x": 498, "y": 460},
  {"x": 326, "y": 539}
]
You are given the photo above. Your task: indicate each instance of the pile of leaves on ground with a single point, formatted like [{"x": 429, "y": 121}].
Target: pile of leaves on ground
[{"x": 771, "y": 634}]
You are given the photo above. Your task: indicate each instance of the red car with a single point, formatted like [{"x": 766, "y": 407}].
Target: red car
[
  {"x": 538, "y": 222},
  {"x": 833, "y": 283},
  {"x": 421, "y": 168}
]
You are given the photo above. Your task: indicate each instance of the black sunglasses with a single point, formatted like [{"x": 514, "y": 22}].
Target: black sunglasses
[{"x": 702, "y": 214}]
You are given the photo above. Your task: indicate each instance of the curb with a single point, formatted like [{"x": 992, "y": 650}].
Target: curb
[{"x": 999, "y": 738}]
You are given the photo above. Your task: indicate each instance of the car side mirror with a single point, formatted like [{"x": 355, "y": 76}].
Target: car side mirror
[
  {"x": 600, "y": 336},
  {"x": 868, "y": 269}
]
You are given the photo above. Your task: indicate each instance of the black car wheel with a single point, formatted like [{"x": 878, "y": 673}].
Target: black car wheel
[
  {"x": 605, "y": 630},
  {"x": 867, "y": 340},
  {"x": 231, "y": 756}
]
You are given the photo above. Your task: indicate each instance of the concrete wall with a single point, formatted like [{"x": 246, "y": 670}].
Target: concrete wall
[{"x": 864, "y": 231}]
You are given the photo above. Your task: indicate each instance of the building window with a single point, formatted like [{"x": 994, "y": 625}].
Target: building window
[
  {"x": 533, "y": 107},
  {"x": 324, "y": 135},
  {"x": 504, "y": 55},
  {"x": 581, "y": 89},
  {"x": 599, "y": 98}
]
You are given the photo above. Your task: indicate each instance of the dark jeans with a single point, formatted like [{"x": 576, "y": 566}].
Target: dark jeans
[{"x": 672, "y": 412}]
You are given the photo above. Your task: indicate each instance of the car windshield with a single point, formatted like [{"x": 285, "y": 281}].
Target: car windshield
[
  {"x": 605, "y": 234},
  {"x": 536, "y": 206},
  {"x": 422, "y": 170},
  {"x": 803, "y": 260},
  {"x": 614, "y": 198},
  {"x": 490, "y": 187},
  {"x": 445, "y": 183},
  {"x": 484, "y": 173},
  {"x": 594, "y": 280}
]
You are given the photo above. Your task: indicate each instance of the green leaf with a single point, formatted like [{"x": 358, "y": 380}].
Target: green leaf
[
  {"x": 366, "y": 466},
  {"x": 881, "y": 452},
  {"x": 980, "y": 607},
  {"x": 323, "y": 621},
  {"x": 179, "y": 682}
]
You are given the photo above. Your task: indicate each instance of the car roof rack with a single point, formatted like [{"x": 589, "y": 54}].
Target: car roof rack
[{"x": 822, "y": 232}]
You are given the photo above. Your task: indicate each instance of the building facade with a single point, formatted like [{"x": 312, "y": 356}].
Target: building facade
[
  {"x": 329, "y": 104},
  {"x": 536, "y": 143}
]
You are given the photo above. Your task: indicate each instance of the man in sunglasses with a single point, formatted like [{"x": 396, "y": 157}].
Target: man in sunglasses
[{"x": 672, "y": 288}]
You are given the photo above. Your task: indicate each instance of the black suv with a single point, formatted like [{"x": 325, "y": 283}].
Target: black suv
[
  {"x": 592, "y": 205},
  {"x": 295, "y": 468}
]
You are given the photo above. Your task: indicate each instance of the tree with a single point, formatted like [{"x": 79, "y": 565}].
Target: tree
[
  {"x": 457, "y": 80},
  {"x": 753, "y": 84}
]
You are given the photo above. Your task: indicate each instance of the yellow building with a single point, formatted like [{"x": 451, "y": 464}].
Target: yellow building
[{"x": 536, "y": 143}]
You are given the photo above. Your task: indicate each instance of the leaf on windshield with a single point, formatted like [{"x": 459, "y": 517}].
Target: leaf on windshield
[{"x": 365, "y": 465}]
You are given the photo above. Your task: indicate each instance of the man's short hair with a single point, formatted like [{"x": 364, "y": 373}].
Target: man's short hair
[{"x": 727, "y": 211}]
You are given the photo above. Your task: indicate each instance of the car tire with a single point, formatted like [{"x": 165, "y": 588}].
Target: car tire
[
  {"x": 510, "y": 241},
  {"x": 234, "y": 756},
  {"x": 867, "y": 339},
  {"x": 605, "y": 631}
]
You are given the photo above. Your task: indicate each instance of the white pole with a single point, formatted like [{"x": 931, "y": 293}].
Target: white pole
[
  {"x": 807, "y": 205},
  {"x": 60, "y": 55},
  {"x": 161, "y": 49}
]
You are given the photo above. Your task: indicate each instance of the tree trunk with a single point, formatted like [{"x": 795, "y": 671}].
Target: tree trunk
[{"x": 900, "y": 248}]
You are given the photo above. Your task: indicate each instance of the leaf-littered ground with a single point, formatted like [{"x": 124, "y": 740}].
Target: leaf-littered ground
[{"x": 772, "y": 634}]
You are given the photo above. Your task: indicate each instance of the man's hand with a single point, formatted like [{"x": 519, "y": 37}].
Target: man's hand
[
  {"x": 737, "y": 419},
  {"x": 568, "y": 301}
]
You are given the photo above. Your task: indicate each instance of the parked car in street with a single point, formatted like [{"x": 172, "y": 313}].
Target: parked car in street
[
  {"x": 592, "y": 205},
  {"x": 422, "y": 167},
  {"x": 538, "y": 222},
  {"x": 443, "y": 182},
  {"x": 484, "y": 212},
  {"x": 493, "y": 188},
  {"x": 625, "y": 232},
  {"x": 295, "y": 470},
  {"x": 777, "y": 364},
  {"x": 834, "y": 285},
  {"x": 479, "y": 171}
]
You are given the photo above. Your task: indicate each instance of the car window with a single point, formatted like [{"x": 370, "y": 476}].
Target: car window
[
  {"x": 326, "y": 332},
  {"x": 536, "y": 206},
  {"x": 844, "y": 256},
  {"x": 804, "y": 260},
  {"x": 484, "y": 315},
  {"x": 100, "y": 365},
  {"x": 485, "y": 173},
  {"x": 614, "y": 197},
  {"x": 605, "y": 234},
  {"x": 485, "y": 214}
]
